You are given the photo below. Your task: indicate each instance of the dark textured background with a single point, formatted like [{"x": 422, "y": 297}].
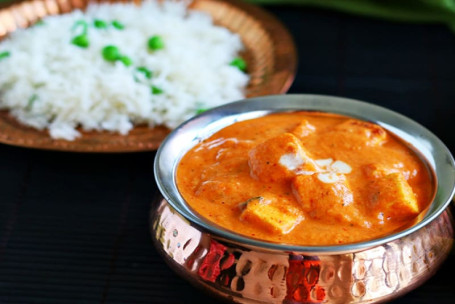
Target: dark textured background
[{"x": 74, "y": 227}]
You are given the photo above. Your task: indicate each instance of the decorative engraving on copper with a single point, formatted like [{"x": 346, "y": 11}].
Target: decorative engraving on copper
[
  {"x": 247, "y": 274},
  {"x": 270, "y": 54}
]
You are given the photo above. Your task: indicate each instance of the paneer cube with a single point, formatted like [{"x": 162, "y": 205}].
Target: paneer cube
[
  {"x": 273, "y": 215},
  {"x": 374, "y": 171},
  {"x": 217, "y": 190},
  {"x": 279, "y": 158},
  {"x": 326, "y": 196},
  {"x": 377, "y": 171},
  {"x": 392, "y": 196},
  {"x": 303, "y": 129},
  {"x": 368, "y": 133}
]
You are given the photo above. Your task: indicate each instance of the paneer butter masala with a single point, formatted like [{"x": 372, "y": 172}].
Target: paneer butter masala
[{"x": 306, "y": 178}]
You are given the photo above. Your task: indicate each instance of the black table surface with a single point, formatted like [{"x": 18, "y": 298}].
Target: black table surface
[{"x": 74, "y": 227}]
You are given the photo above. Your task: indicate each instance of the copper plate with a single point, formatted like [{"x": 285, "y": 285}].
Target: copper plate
[
  {"x": 248, "y": 270},
  {"x": 270, "y": 54}
]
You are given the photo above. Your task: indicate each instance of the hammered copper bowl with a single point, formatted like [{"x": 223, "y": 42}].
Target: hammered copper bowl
[{"x": 246, "y": 270}]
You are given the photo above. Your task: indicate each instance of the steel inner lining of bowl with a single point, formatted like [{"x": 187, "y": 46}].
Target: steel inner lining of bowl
[{"x": 201, "y": 127}]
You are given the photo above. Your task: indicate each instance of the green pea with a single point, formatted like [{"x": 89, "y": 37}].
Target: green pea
[
  {"x": 30, "y": 102},
  {"x": 118, "y": 25},
  {"x": 239, "y": 63},
  {"x": 111, "y": 53},
  {"x": 100, "y": 24},
  {"x": 200, "y": 111},
  {"x": 156, "y": 90},
  {"x": 147, "y": 73},
  {"x": 155, "y": 43},
  {"x": 40, "y": 22},
  {"x": 4, "y": 54},
  {"x": 126, "y": 60},
  {"x": 81, "y": 41},
  {"x": 81, "y": 23}
]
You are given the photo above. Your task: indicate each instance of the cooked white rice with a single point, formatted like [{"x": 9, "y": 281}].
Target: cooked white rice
[{"x": 49, "y": 83}]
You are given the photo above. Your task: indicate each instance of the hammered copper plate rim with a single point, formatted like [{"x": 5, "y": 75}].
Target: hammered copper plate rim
[{"x": 143, "y": 138}]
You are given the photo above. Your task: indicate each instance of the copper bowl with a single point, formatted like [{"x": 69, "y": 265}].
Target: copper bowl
[
  {"x": 246, "y": 270},
  {"x": 270, "y": 54}
]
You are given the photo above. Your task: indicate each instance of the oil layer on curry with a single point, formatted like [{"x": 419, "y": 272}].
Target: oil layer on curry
[{"x": 305, "y": 178}]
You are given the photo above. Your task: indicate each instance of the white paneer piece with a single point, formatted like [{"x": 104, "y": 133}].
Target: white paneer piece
[
  {"x": 303, "y": 129},
  {"x": 326, "y": 197},
  {"x": 280, "y": 158},
  {"x": 363, "y": 132}
]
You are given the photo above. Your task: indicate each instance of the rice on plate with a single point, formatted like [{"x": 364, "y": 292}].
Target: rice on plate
[{"x": 117, "y": 65}]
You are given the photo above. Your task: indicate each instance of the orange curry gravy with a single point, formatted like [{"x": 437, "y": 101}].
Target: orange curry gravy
[{"x": 305, "y": 178}]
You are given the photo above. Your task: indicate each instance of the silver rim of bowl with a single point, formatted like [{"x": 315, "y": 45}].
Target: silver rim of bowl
[{"x": 191, "y": 132}]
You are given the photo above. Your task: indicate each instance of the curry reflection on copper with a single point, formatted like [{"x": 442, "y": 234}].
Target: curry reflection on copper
[{"x": 248, "y": 275}]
